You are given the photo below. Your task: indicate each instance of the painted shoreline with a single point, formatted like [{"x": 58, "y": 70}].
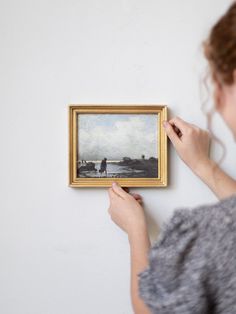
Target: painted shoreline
[{"x": 126, "y": 168}]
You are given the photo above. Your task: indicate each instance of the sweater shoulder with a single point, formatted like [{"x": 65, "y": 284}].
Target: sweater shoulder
[
  {"x": 202, "y": 226},
  {"x": 217, "y": 215}
]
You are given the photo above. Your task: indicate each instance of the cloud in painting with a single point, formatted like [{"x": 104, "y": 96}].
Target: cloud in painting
[{"x": 115, "y": 136}]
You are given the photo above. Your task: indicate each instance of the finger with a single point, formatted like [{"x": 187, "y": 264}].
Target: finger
[
  {"x": 171, "y": 133},
  {"x": 112, "y": 194},
  {"x": 118, "y": 190},
  {"x": 138, "y": 199},
  {"x": 136, "y": 196},
  {"x": 126, "y": 189},
  {"x": 177, "y": 131},
  {"x": 179, "y": 123}
]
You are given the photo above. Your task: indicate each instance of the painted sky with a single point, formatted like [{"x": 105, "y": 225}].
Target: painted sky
[{"x": 115, "y": 136}]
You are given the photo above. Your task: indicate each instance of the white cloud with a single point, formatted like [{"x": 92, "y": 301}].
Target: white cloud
[{"x": 132, "y": 137}]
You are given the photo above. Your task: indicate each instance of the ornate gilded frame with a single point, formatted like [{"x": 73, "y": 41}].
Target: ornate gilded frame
[{"x": 160, "y": 181}]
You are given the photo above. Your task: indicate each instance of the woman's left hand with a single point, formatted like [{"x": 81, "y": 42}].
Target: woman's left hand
[{"x": 125, "y": 210}]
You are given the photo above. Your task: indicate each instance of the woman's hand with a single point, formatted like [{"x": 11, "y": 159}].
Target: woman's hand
[
  {"x": 125, "y": 210},
  {"x": 191, "y": 143}
]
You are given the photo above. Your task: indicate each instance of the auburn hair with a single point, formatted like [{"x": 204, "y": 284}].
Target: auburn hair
[
  {"x": 220, "y": 51},
  {"x": 220, "y": 47}
]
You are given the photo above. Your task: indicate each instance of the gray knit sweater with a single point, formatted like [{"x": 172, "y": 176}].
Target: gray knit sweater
[{"x": 192, "y": 266}]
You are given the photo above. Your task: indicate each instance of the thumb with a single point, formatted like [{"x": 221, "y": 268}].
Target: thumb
[
  {"x": 118, "y": 190},
  {"x": 171, "y": 133}
]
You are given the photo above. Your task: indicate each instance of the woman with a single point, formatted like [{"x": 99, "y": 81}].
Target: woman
[{"x": 192, "y": 267}]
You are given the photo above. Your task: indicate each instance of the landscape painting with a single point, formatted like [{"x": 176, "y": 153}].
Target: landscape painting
[
  {"x": 122, "y": 143},
  {"x": 117, "y": 145}
]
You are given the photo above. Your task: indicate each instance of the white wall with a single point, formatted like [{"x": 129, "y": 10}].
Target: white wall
[{"x": 59, "y": 251}]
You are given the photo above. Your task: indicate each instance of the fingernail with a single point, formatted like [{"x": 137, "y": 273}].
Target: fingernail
[
  {"x": 113, "y": 183},
  {"x": 164, "y": 124}
]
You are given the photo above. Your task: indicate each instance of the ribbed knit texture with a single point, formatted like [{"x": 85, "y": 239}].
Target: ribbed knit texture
[{"x": 192, "y": 266}]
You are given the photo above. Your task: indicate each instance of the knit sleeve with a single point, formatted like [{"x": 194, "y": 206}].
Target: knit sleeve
[{"x": 174, "y": 281}]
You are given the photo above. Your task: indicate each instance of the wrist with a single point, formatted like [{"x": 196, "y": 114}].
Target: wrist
[
  {"x": 138, "y": 235},
  {"x": 205, "y": 168}
]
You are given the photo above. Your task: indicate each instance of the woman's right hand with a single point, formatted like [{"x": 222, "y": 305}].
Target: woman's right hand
[{"x": 191, "y": 143}]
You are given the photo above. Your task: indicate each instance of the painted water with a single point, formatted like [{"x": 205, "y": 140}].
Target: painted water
[{"x": 114, "y": 170}]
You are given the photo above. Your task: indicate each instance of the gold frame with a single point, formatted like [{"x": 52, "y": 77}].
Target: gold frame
[{"x": 160, "y": 181}]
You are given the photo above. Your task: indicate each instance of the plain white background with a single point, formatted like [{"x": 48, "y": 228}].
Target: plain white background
[{"x": 59, "y": 251}]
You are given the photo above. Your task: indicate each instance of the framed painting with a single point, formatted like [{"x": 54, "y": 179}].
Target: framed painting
[{"x": 122, "y": 143}]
